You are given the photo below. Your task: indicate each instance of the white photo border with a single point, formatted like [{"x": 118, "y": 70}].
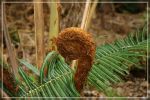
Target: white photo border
[{"x": 3, "y": 2}]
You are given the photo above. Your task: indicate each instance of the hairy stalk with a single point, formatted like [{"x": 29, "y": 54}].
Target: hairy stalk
[
  {"x": 74, "y": 43},
  {"x": 39, "y": 30}
]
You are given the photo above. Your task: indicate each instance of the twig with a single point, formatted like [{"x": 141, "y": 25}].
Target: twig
[
  {"x": 39, "y": 30},
  {"x": 10, "y": 49}
]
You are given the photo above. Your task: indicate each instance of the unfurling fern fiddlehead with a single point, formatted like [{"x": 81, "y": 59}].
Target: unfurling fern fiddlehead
[{"x": 74, "y": 43}]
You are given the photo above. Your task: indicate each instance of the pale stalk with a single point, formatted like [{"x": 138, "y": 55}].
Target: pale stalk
[
  {"x": 10, "y": 49},
  {"x": 39, "y": 31},
  {"x": 86, "y": 13},
  {"x": 89, "y": 17},
  {"x": 54, "y": 23}
]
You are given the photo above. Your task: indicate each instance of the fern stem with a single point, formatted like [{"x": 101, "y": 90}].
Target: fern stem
[
  {"x": 39, "y": 30},
  {"x": 85, "y": 15},
  {"x": 54, "y": 23},
  {"x": 91, "y": 12}
]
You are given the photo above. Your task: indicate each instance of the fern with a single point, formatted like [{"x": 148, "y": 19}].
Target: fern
[
  {"x": 111, "y": 62},
  {"x": 57, "y": 83}
]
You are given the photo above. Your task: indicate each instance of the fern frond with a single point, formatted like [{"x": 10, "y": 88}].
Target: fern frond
[
  {"x": 30, "y": 66},
  {"x": 58, "y": 87},
  {"x": 58, "y": 82},
  {"x": 112, "y": 61}
]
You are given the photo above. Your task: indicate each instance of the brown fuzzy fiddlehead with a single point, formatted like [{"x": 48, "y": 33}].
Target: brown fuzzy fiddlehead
[{"x": 74, "y": 43}]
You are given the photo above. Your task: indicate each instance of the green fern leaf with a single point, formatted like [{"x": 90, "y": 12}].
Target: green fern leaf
[{"x": 111, "y": 62}]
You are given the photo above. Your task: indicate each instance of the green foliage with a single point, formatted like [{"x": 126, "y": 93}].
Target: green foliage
[
  {"x": 58, "y": 82},
  {"x": 30, "y": 66},
  {"x": 112, "y": 62}
]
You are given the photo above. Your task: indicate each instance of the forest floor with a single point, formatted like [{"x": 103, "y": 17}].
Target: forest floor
[{"x": 20, "y": 19}]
